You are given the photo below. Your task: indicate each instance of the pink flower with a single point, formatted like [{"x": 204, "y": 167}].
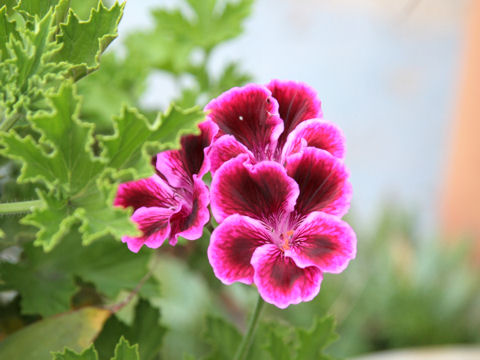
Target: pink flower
[
  {"x": 174, "y": 201},
  {"x": 279, "y": 225},
  {"x": 270, "y": 122}
]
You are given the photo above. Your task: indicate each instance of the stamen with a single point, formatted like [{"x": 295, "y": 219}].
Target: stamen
[{"x": 286, "y": 237}]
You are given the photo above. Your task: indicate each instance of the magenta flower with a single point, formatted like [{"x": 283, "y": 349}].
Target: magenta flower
[
  {"x": 270, "y": 123},
  {"x": 174, "y": 201},
  {"x": 280, "y": 226}
]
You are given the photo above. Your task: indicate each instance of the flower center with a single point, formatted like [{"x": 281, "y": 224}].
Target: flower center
[{"x": 285, "y": 238}]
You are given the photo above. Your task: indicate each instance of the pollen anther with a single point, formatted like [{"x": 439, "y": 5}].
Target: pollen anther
[{"x": 286, "y": 237}]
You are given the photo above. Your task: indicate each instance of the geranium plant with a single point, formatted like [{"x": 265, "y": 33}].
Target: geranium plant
[{"x": 256, "y": 174}]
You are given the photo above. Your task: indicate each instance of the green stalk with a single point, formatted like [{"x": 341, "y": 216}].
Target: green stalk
[
  {"x": 252, "y": 326},
  {"x": 19, "y": 207}
]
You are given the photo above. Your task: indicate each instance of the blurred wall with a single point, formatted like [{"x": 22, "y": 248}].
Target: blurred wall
[{"x": 461, "y": 198}]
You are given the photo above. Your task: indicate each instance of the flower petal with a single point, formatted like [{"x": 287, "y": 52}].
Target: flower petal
[
  {"x": 251, "y": 115},
  {"x": 224, "y": 149},
  {"x": 149, "y": 192},
  {"x": 316, "y": 133},
  {"x": 324, "y": 241},
  {"x": 179, "y": 166},
  {"x": 297, "y": 102},
  {"x": 281, "y": 282},
  {"x": 170, "y": 165},
  {"x": 231, "y": 247},
  {"x": 262, "y": 191},
  {"x": 154, "y": 222},
  {"x": 189, "y": 224},
  {"x": 194, "y": 148},
  {"x": 323, "y": 182}
]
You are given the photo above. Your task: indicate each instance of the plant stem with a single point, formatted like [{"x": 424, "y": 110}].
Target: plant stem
[
  {"x": 209, "y": 227},
  {"x": 19, "y": 207},
  {"x": 252, "y": 326}
]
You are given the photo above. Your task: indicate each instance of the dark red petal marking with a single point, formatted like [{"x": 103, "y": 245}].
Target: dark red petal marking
[
  {"x": 177, "y": 167},
  {"x": 231, "y": 247},
  {"x": 262, "y": 191},
  {"x": 149, "y": 192},
  {"x": 171, "y": 166},
  {"x": 323, "y": 182},
  {"x": 280, "y": 281},
  {"x": 191, "y": 222},
  {"x": 154, "y": 223},
  {"x": 297, "y": 102},
  {"x": 324, "y": 241},
  {"x": 193, "y": 147},
  {"x": 251, "y": 115}
]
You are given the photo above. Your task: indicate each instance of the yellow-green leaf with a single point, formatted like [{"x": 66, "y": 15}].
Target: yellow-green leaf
[{"x": 75, "y": 330}]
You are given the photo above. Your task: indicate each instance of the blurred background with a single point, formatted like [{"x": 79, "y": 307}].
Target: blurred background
[
  {"x": 387, "y": 72},
  {"x": 402, "y": 79}
]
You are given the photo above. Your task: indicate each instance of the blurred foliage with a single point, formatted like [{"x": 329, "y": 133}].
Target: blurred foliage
[
  {"x": 74, "y": 329},
  {"x": 401, "y": 291},
  {"x": 178, "y": 45},
  {"x": 122, "y": 351}
]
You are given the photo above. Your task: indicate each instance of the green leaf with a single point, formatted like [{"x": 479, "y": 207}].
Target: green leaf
[
  {"x": 311, "y": 343},
  {"x": 83, "y": 8},
  {"x": 10, "y": 4},
  {"x": 176, "y": 122},
  {"x": 93, "y": 210},
  {"x": 146, "y": 331},
  {"x": 46, "y": 281},
  {"x": 35, "y": 7},
  {"x": 159, "y": 49},
  {"x": 26, "y": 73},
  {"x": 74, "y": 329},
  {"x": 127, "y": 147},
  {"x": 88, "y": 354},
  {"x": 71, "y": 163},
  {"x": 223, "y": 337},
  {"x": 28, "y": 54},
  {"x": 99, "y": 217},
  {"x": 111, "y": 267},
  {"x": 38, "y": 54},
  {"x": 170, "y": 44},
  {"x": 84, "y": 41},
  {"x": 54, "y": 220},
  {"x": 209, "y": 26},
  {"x": 276, "y": 341},
  {"x": 213, "y": 27},
  {"x": 7, "y": 29},
  {"x": 72, "y": 173},
  {"x": 123, "y": 351},
  {"x": 74, "y": 162},
  {"x": 119, "y": 81}
]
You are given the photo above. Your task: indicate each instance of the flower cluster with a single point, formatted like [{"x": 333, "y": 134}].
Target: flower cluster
[{"x": 278, "y": 191}]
